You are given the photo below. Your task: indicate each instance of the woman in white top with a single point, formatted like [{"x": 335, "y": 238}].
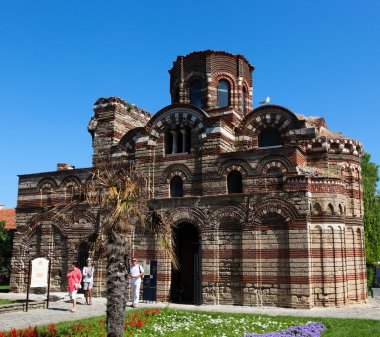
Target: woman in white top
[{"x": 88, "y": 281}]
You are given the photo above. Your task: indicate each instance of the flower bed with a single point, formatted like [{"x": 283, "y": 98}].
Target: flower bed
[
  {"x": 306, "y": 330},
  {"x": 169, "y": 322},
  {"x": 133, "y": 321}
]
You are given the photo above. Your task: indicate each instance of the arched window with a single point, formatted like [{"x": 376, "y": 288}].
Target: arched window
[
  {"x": 331, "y": 209},
  {"x": 196, "y": 93},
  {"x": 176, "y": 95},
  {"x": 176, "y": 187},
  {"x": 334, "y": 147},
  {"x": 223, "y": 94},
  {"x": 274, "y": 171},
  {"x": 235, "y": 182},
  {"x": 244, "y": 101},
  {"x": 168, "y": 142},
  {"x": 317, "y": 209},
  {"x": 276, "y": 176},
  {"x": 178, "y": 140},
  {"x": 269, "y": 137}
]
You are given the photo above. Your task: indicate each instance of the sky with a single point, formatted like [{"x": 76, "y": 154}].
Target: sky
[{"x": 316, "y": 58}]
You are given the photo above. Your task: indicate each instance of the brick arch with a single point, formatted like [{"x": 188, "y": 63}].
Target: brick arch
[
  {"x": 182, "y": 108},
  {"x": 269, "y": 116},
  {"x": 350, "y": 170},
  {"x": 348, "y": 146},
  {"x": 227, "y": 76},
  {"x": 189, "y": 79},
  {"x": 127, "y": 142},
  {"x": 330, "y": 209},
  {"x": 236, "y": 213},
  {"x": 317, "y": 144},
  {"x": 176, "y": 170},
  {"x": 32, "y": 231},
  {"x": 191, "y": 215},
  {"x": 235, "y": 165},
  {"x": 316, "y": 227},
  {"x": 194, "y": 75},
  {"x": 187, "y": 116},
  {"x": 284, "y": 209},
  {"x": 248, "y": 101},
  {"x": 275, "y": 161},
  {"x": 85, "y": 214},
  {"x": 245, "y": 85},
  {"x": 72, "y": 179},
  {"x": 43, "y": 219},
  {"x": 47, "y": 181}
]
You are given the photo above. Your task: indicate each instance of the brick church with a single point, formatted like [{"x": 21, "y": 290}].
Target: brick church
[{"x": 266, "y": 204}]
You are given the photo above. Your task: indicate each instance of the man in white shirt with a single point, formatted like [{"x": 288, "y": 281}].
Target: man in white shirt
[{"x": 135, "y": 275}]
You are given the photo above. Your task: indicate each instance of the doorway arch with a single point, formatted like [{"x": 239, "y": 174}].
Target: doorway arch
[{"x": 186, "y": 280}]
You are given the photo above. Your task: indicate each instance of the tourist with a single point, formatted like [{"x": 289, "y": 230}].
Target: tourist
[
  {"x": 74, "y": 278},
  {"x": 88, "y": 281},
  {"x": 135, "y": 275}
]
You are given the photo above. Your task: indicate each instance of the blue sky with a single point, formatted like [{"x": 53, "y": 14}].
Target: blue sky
[{"x": 317, "y": 58}]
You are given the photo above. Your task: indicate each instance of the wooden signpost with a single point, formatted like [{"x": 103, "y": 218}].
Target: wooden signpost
[{"x": 39, "y": 277}]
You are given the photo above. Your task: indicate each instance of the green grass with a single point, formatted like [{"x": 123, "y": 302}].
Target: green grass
[
  {"x": 6, "y": 301},
  {"x": 4, "y": 289},
  {"x": 179, "y": 323}
]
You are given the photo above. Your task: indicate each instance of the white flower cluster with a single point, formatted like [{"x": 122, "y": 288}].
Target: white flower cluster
[{"x": 194, "y": 324}]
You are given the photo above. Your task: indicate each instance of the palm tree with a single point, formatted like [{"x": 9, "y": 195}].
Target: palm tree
[{"x": 119, "y": 196}]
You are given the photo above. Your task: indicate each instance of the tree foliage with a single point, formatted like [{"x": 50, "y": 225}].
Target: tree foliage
[
  {"x": 370, "y": 175},
  {"x": 5, "y": 253},
  {"x": 118, "y": 195}
]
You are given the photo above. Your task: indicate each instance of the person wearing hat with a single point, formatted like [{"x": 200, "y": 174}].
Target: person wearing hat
[
  {"x": 88, "y": 281},
  {"x": 135, "y": 274}
]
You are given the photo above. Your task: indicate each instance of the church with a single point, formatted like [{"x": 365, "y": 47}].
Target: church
[{"x": 266, "y": 204}]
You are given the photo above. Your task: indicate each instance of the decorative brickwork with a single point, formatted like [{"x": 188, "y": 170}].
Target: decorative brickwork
[{"x": 292, "y": 236}]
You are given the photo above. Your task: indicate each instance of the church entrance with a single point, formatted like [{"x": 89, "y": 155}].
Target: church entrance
[{"x": 186, "y": 281}]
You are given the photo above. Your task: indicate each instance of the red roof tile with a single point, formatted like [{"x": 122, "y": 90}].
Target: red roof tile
[{"x": 9, "y": 216}]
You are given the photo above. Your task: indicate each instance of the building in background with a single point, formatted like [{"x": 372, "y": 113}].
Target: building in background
[
  {"x": 9, "y": 216},
  {"x": 267, "y": 205}
]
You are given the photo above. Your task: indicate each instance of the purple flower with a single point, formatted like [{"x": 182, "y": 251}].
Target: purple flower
[{"x": 307, "y": 330}]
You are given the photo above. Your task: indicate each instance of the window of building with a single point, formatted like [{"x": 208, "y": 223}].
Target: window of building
[
  {"x": 196, "y": 93},
  {"x": 274, "y": 171},
  {"x": 223, "y": 94},
  {"x": 269, "y": 137},
  {"x": 235, "y": 182},
  {"x": 317, "y": 209},
  {"x": 178, "y": 140},
  {"x": 176, "y": 95},
  {"x": 244, "y": 101},
  {"x": 176, "y": 187},
  {"x": 331, "y": 209}
]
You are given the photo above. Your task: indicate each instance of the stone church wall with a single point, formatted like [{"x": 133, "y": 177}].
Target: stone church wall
[{"x": 286, "y": 231}]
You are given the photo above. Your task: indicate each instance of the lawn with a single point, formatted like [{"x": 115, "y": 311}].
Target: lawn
[
  {"x": 4, "y": 289},
  {"x": 6, "y": 301},
  {"x": 179, "y": 323}
]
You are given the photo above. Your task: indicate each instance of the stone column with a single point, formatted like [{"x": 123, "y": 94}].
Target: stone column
[
  {"x": 175, "y": 142},
  {"x": 184, "y": 140}
]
